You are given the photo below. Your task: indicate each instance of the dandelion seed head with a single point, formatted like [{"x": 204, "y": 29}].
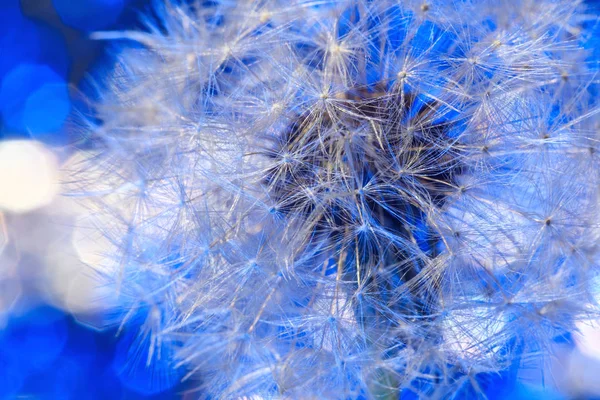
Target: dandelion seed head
[{"x": 343, "y": 198}]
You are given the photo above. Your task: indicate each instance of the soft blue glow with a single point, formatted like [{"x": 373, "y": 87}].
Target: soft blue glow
[
  {"x": 46, "y": 109},
  {"x": 53, "y": 50},
  {"x": 34, "y": 342},
  {"x": 25, "y": 41},
  {"x": 11, "y": 378},
  {"x": 46, "y": 355},
  {"x": 130, "y": 365},
  {"x": 89, "y": 15},
  {"x": 34, "y": 99},
  {"x": 19, "y": 38}
]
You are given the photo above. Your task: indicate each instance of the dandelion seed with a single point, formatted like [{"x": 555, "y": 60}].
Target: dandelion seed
[{"x": 350, "y": 199}]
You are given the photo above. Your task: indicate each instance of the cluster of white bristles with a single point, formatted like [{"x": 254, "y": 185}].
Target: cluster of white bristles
[{"x": 336, "y": 199}]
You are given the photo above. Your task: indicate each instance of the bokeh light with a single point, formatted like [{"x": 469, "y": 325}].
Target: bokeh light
[
  {"x": 89, "y": 15},
  {"x": 28, "y": 176},
  {"x": 143, "y": 372},
  {"x": 46, "y": 355},
  {"x": 34, "y": 99},
  {"x": 19, "y": 37},
  {"x": 57, "y": 338}
]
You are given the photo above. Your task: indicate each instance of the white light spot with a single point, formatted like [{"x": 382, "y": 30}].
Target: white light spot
[
  {"x": 588, "y": 332},
  {"x": 28, "y": 176},
  {"x": 588, "y": 339},
  {"x": 265, "y": 16}
]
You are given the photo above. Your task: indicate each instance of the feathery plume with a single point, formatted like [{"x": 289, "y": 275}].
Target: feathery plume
[{"x": 349, "y": 198}]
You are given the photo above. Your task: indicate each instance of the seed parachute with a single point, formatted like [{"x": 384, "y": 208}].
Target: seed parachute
[{"x": 348, "y": 199}]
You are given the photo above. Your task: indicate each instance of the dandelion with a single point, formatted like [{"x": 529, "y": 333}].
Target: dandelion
[{"x": 349, "y": 199}]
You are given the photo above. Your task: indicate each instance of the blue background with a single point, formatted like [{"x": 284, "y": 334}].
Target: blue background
[{"x": 45, "y": 54}]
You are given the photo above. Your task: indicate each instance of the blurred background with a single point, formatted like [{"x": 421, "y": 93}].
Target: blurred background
[{"x": 56, "y": 341}]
